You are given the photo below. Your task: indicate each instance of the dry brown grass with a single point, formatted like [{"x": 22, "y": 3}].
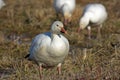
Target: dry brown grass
[{"x": 88, "y": 60}]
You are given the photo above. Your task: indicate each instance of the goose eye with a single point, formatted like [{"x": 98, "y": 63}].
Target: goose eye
[{"x": 57, "y": 25}]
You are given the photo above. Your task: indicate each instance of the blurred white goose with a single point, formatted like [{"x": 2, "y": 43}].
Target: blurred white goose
[
  {"x": 93, "y": 14},
  {"x": 50, "y": 49},
  {"x": 66, "y": 7},
  {"x": 2, "y": 3}
]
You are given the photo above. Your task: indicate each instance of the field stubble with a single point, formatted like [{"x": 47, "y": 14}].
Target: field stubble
[{"x": 21, "y": 20}]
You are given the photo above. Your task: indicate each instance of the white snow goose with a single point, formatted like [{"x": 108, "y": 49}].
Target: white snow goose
[
  {"x": 93, "y": 14},
  {"x": 50, "y": 49},
  {"x": 66, "y": 8}
]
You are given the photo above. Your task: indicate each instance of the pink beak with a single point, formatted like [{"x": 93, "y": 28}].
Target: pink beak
[
  {"x": 78, "y": 30},
  {"x": 63, "y": 30},
  {"x": 66, "y": 21}
]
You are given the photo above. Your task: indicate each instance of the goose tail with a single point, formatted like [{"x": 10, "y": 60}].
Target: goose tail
[{"x": 27, "y": 56}]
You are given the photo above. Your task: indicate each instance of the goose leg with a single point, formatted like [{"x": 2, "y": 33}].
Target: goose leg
[
  {"x": 99, "y": 32},
  {"x": 59, "y": 68},
  {"x": 89, "y": 32},
  {"x": 40, "y": 71}
]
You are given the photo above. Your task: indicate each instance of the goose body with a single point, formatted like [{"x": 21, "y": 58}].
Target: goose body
[
  {"x": 50, "y": 48},
  {"x": 66, "y": 7},
  {"x": 94, "y": 14}
]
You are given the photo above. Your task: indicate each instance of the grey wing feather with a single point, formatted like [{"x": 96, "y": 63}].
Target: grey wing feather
[{"x": 37, "y": 41}]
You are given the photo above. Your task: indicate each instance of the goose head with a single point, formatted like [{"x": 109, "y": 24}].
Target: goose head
[
  {"x": 83, "y": 23},
  {"x": 67, "y": 18},
  {"x": 57, "y": 27}
]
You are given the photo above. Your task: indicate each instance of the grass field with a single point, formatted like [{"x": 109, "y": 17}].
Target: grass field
[{"x": 96, "y": 59}]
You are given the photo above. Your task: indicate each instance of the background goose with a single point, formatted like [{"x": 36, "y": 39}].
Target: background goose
[
  {"x": 66, "y": 7},
  {"x": 94, "y": 14},
  {"x": 50, "y": 48},
  {"x": 2, "y": 3}
]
